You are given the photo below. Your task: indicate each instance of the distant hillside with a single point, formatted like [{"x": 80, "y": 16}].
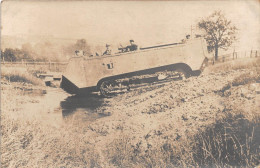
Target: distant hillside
[{"x": 17, "y": 41}]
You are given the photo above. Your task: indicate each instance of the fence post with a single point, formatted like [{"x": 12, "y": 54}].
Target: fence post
[
  {"x": 251, "y": 54},
  {"x": 49, "y": 65},
  {"x": 56, "y": 66},
  {"x": 223, "y": 58},
  {"x": 256, "y": 53},
  {"x": 23, "y": 63}
]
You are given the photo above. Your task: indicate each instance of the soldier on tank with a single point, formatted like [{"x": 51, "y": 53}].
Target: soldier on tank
[
  {"x": 108, "y": 50},
  {"x": 132, "y": 47},
  {"x": 76, "y": 52},
  {"x": 187, "y": 38}
]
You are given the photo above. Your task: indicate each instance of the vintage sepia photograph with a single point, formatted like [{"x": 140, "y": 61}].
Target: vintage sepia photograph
[{"x": 130, "y": 84}]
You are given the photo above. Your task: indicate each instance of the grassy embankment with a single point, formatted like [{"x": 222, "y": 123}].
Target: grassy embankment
[{"x": 233, "y": 140}]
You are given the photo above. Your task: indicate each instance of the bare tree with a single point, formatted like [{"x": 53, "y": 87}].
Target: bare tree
[{"x": 220, "y": 33}]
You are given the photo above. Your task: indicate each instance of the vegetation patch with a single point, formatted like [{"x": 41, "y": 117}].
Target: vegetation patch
[
  {"x": 243, "y": 63},
  {"x": 16, "y": 75},
  {"x": 243, "y": 79},
  {"x": 246, "y": 78},
  {"x": 232, "y": 141}
]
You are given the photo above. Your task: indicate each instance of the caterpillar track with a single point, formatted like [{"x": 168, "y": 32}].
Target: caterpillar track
[{"x": 109, "y": 88}]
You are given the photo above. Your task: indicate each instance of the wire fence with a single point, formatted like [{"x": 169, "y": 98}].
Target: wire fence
[
  {"x": 235, "y": 55},
  {"x": 48, "y": 65}
]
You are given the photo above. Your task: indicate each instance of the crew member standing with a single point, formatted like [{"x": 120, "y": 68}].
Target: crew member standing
[{"x": 108, "y": 50}]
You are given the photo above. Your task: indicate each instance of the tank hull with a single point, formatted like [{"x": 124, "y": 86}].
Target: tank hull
[{"x": 86, "y": 73}]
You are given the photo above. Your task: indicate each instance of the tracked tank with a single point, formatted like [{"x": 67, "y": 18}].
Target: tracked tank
[{"x": 120, "y": 70}]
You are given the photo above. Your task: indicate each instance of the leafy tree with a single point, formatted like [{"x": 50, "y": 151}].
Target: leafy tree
[
  {"x": 220, "y": 33},
  {"x": 2, "y": 55},
  {"x": 9, "y": 55},
  {"x": 13, "y": 55}
]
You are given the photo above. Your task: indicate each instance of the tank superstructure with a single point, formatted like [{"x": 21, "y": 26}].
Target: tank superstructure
[{"x": 88, "y": 73}]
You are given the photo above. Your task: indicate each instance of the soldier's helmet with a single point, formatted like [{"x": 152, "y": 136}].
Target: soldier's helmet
[
  {"x": 107, "y": 45},
  {"x": 132, "y": 41}
]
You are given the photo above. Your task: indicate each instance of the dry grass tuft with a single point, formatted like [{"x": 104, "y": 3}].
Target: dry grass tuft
[{"x": 233, "y": 141}]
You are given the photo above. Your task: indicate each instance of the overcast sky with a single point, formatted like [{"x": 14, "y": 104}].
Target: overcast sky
[{"x": 148, "y": 23}]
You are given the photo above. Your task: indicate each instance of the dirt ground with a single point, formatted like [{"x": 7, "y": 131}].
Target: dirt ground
[
  {"x": 136, "y": 122},
  {"x": 175, "y": 110}
]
